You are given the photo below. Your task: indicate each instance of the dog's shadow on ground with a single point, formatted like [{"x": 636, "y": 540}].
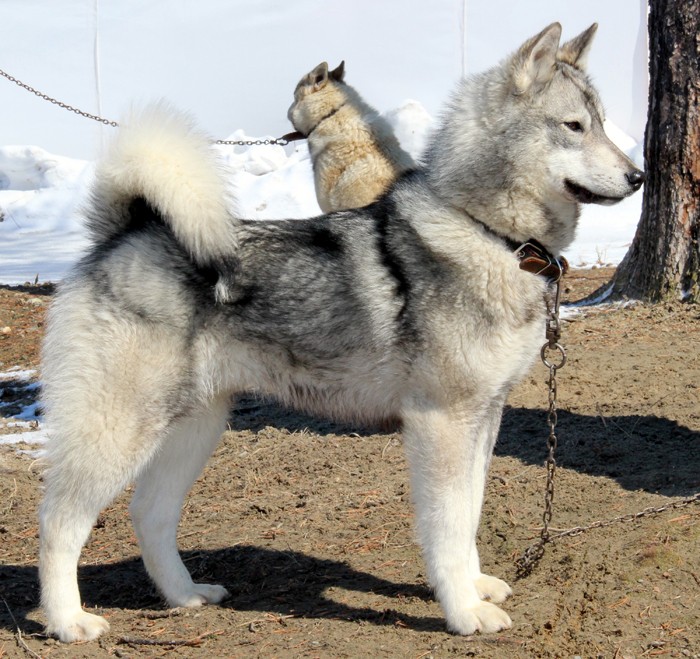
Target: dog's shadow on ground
[
  {"x": 647, "y": 453},
  {"x": 259, "y": 579},
  {"x": 640, "y": 452}
]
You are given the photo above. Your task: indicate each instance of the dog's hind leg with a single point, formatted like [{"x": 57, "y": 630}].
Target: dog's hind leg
[
  {"x": 158, "y": 499},
  {"x": 442, "y": 447},
  {"x": 64, "y": 529},
  {"x": 88, "y": 469},
  {"x": 111, "y": 390}
]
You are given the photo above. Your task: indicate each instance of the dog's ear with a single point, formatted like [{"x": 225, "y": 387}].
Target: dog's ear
[
  {"x": 339, "y": 72},
  {"x": 575, "y": 52},
  {"x": 318, "y": 78},
  {"x": 533, "y": 64}
]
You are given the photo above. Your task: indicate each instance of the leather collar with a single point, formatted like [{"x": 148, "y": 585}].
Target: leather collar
[
  {"x": 535, "y": 258},
  {"x": 293, "y": 136},
  {"x": 318, "y": 123}
]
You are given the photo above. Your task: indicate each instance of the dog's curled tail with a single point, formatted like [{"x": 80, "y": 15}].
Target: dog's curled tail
[{"x": 160, "y": 156}]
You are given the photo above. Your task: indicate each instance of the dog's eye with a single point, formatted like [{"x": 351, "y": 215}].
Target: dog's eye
[{"x": 574, "y": 126}]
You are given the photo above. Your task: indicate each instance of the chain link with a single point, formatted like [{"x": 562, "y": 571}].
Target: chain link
[
  {"x": 281, "y": 141},
  {"x": 630, "y": 517},
  {"x": 553, "y": 334},
  {"x": 534, "y": 552}
]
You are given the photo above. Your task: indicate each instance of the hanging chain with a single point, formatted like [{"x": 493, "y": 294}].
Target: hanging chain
[
  {"x": 553, "y": 356},
  {"x": 630, "y": 517},
  {"x": 281, "y": 141}
]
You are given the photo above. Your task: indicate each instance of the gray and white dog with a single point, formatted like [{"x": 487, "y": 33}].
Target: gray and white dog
[{"x": 414, "y": 307}]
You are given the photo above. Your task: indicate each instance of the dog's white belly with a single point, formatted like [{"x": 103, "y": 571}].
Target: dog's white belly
[{"x": 359, "y": 386}]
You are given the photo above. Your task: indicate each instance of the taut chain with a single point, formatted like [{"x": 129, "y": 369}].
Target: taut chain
[{"x": 281, "y": 141}]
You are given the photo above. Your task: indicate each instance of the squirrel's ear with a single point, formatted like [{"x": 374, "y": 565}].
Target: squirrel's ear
[
  {"x": 318, "y": 78},
  {"x": 339, "y": 72}
]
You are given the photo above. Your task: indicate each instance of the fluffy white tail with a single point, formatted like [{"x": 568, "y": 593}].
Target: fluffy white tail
[{"x": 159, "y": 155}]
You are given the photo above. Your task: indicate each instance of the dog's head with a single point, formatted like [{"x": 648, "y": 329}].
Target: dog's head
[
  {"x": 523, "y": 144},
  {"x": 549, "y": 85},
  {"x": 318, "y": 93}
]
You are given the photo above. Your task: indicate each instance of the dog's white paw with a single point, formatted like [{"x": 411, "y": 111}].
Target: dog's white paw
[
  {"x": 483, "y": 617},
  {"x": 492, "y": 588},
  {"x": 201, "y": 593},
  {"x": 83, "y": 626}
]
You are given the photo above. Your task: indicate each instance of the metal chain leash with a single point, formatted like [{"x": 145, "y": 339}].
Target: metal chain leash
[
  {"x": 531, "y": 556},
  {"x": 630, "y": 517},
  {"x": 553, "y": 356},
  {"x": 281, "y": 141},
  {"x": 65, "y": 106}
]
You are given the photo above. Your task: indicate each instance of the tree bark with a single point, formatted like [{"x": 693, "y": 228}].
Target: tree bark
[{"x": 663, "y": 261}]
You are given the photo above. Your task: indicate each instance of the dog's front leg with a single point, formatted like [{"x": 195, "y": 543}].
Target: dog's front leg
[
  {"x": 491, "y": 588},
  {"x": 448, "y": 457}
]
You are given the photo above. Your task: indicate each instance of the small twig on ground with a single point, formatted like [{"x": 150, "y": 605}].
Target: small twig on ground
[
  {"x": 192, "y": 642},
  {"x": 270, "y": 617},
  {"x": 388, "y": 445},
  {"x": 157, "y": 615},
  {"x": 20, "y": 641},
  {"x": 601, "y": 415}
]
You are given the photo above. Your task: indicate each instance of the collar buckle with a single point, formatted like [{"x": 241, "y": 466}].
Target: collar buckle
[{"x": 535, "y": 258}]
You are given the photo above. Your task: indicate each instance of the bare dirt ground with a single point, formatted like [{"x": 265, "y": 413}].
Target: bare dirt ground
[{"x": 309, "y": 524}]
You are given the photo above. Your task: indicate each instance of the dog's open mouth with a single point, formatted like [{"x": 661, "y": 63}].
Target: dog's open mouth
[{"x": 585, "y": 196}]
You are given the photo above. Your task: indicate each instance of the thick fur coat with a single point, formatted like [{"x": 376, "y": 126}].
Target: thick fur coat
[{"x": 412, "y": 307}]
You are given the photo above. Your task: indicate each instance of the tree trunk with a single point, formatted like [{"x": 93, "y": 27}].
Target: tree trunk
[{"x": 663, "y": 261}]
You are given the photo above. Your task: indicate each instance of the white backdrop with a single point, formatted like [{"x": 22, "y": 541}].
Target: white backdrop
[{"x": 234, "y": 63}]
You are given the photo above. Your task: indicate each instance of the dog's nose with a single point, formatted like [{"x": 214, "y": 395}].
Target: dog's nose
[{"x": 635, "y": 178}]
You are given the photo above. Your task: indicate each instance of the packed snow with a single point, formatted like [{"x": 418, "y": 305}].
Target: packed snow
[{"x": 27, "y": 425}]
